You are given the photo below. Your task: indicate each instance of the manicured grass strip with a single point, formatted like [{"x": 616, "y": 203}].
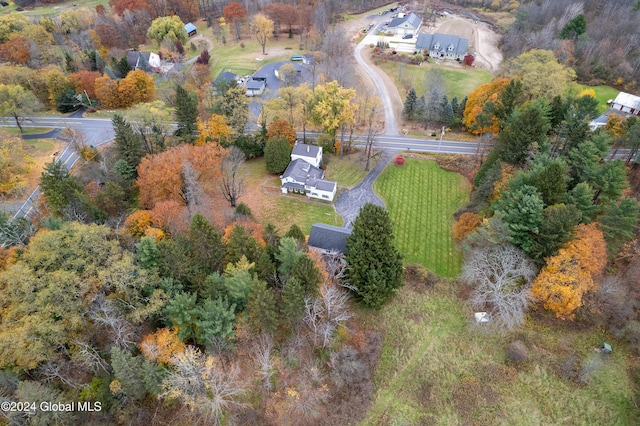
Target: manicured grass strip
[
  {"x": 26, "y": 130},
  {"x": 458, "y": 81},
  {"x": 421, "y": 199},
  {"x": 39, "y": 146}
]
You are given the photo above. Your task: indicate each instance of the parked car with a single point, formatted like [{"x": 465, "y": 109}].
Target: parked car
[{"x": 407, "y": 36}]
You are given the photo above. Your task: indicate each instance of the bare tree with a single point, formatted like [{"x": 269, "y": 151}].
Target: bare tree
[
  {"x": 232, "y": 181},
  {"x": 501, "y": 276},
  {"x": 325, "y": 312},
  {"x": 89, "y": 357},
  {"x": 122, "y": 332},
  {"x": 76, "y": 138},
  {"x": 371, "y": 131},
  {"x": 203, "y": 384},
  {"x": 192, "y": 193},
  {"x": 263, "y": 357}
]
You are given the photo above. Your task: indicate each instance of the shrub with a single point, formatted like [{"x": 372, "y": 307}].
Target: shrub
[
  {"x": 243, "y": 209},
  {"x": 399, "y": 161}
]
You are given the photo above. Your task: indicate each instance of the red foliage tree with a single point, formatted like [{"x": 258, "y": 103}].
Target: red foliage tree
[
  {"x": 85, "y": 80},
  {"x": 468, "y": 59},
  {"x": 119, "y": 6},
  {"x": 16, "y": 50}
]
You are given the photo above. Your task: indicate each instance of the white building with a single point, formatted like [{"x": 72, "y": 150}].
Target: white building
[{"x": 304, "y": 176}]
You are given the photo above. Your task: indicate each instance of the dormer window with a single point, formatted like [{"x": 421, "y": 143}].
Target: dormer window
[
  {"x": 450, "y": 48},
  {"x": 436, "y": 46}
]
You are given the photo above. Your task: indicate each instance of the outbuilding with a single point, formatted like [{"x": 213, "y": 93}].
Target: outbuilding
[{"x": 190, "y": 29}]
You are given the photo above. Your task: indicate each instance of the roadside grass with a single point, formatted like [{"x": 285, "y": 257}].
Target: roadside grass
[
  {"x": 40, "y": 147},
  {"x": 278, "y": 209},
  {"x": 58, "y": 8},
  {"x": 603, "y": 94},
  {"x": 438, "y": 369},
  {"x": 27, "y": 130},
  {"x": 348, "y": 171},
  {"x": 421, "y": 199},
  {"x": 459, "y": 81}
]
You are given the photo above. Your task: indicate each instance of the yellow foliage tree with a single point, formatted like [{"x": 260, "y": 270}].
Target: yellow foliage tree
[
  {"x": 136, "y": 87},
  {"x": 467, "y": 223},
  {"x": 215, "y": 130},
  {"x": 137, "y": 223},
  {"x": 475, "y": 102},
  {"x": 107, "y": 91},
  {"x": 161, "y": 346},
  {"x": 568, "y": 275}
]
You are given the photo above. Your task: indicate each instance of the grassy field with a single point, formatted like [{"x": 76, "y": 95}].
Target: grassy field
[
  {"x": 438, "y": 369},
  {"x": 282, "y": 210},
  {"x": 348, "y": 171},
  {"x": 421, "y": 199},
  {"x": 57, "y": 8},
  {"x": 458, "y": 81},
  {"x": 603, "y": 94}
]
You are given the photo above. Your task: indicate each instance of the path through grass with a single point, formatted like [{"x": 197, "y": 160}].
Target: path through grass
[{"x": 421, "y": 198}]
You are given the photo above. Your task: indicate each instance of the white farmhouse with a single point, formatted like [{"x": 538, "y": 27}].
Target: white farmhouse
[{"x": 304, "y": 176}]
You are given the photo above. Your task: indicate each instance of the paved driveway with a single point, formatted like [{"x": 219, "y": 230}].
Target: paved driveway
[{"x": 349, "y": 204}]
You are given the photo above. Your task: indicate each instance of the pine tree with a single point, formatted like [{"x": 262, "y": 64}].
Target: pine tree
[
  {"x": 374, "y": 265},
  {"x": 521, "y": 210},
  {"x": 129, "y": 146},
  {"x": 147, "y": 253},
  {"x": 182, "y": 313},
  {"x": 128, "y": 369},
  {"x": 216, "y": 320},
  {"x": 263, "y": 316},
  {"x": 186, "y": 114},
  {"x": 277, "y": 155},
  {"x": 455, "y": 105},
  {"x": 206, "y": 244},
  {"x": 123, "y": 67},
  {"x": 447, "y": 115},
  {"x": 618, "y": 221},
  {"x": 462, "y": 106},
  {"x": 307, "y": 274},
  {"x": 410, "y": 104},
  {"x": 296, "y": 233},
  {"x": 287, "y": 257},
  {"x": 292, "y": 307},
  {"x": 240, "y": 243}
]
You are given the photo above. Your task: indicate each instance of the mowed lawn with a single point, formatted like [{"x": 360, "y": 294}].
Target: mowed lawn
[
  {"x": 348, "y": 171},
  {"x": 459, "y": 81},
  {"x": 603, "y": 94},
  {"x": 421, "y": 199},
  {"x": 436, "y": 368}
]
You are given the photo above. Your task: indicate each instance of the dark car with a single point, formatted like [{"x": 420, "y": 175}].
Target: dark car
[{"x": 407, "y": 36}]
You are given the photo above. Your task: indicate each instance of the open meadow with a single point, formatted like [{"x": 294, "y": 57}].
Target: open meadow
[
  {"x": 421, "y": 199},
  {"x": 436, "y": 368}
]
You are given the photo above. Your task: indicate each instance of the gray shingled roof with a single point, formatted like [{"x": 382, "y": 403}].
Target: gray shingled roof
[
  {"x": 411, "y": 18},
  {"x": 301, "y": 171},
  {"x": 226, "y": 76},
  {"x": 325, "y": 185},
  {"x": 305, "y": 150},
  {"x": 429, "y": 41},
  {"x": 329, "y": 237},
  {"x": 255, "y": 84}
]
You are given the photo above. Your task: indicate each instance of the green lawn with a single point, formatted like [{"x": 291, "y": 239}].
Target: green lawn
[
  {"x": 603, "y": 94},
  {"x": 49, "y": 11},
  {"x": 458, "y": 81},
  {"x": 26, "y": 130},
  {"x": 348, "y": 171},
  {"x": 437, "y": 369},
  {"x": 421, "y": 199},
  {"x": 39, "y": 146}
]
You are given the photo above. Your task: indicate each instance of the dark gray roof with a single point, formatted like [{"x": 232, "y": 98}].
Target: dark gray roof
[
  {"x": 292, "y": 185},
  {"x": 411, "y": 18},
  {"x": 443, "y": 41},
  {"x": 301, "y": 171},
  {"x": 305, "y": 150},
  {"x": 325, "y": 185},
  {"x": 133, "y": 58},
  {"x": 329, "y": 237},
  {"x": 256, "y": 84},
  {"x": 226, "y": 76}
]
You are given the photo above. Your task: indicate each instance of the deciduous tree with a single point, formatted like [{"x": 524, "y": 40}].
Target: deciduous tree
[
  {"x": 541, "y": 74},
  {"x": 281, "y": 129},
  {"x": 170, "y": 27},
  {"x": 263, "y": 29},
  {"x": 565, "y": 279},
  {"x": 232, "y": 179},
  {"x": 215, "y": 131},
  {"x": 17, "y": 103},
  {"x": 235, "y": 14},
  {"x": 331, "y": 106}
]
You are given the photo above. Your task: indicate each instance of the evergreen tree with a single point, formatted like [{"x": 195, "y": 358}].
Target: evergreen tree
[
  {"x": 556, "y": 229},
  {"x": 581, "y": 196},
  {"x": 147, "y": 253},
  {"x": 238, "y": 282},
  {"x": 128, "y": 370},
  {"x": 186, "y": 114},
  {"x": 307, "y": 274},
  {"x": 206, "y": 244},
  {"x": 292, "y": 307},
  {"x": 67, "y": 101},
  {"x": 182, "y": 313},
  {"x": 287, "y": 257},
  {"x": 374, "y": 265},
  {"x": 463, "y": 105},
  {"x": 123, "y": 67},
  {"x": 447, "y": 116},
  {"x": 618, "y": 221},
  {"x": 296, "y": 233},
  {"x": 277, "y": 155},
  {"x": 266, "y": 269},
  {"x": 551, "y": 181},
  {"x": 522, "y": 211},
  {"x": 129, "y": 145},
  {"x": 455, "y": 106},
  {"x": 574, "y": 28},
  {"x": 216, "y": 320},
  {"x": 263, "y": 315},
  {"x": 526, "y": 130},
  {"x": 610, "y": 180},
  {"x": 410, "y": 104},
  {"x": 239, "y": 244}
]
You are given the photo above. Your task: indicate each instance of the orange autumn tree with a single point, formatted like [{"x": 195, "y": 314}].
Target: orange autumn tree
[
  {"x": 281, "y": 129},
  {"x": 137, "y": 223},
  {"x": 466, "y": 224},
  {"x": 215, "y": 130},
  {"x": 85, "y": 81},
  {"x": 136, "y": 87},
  {"x": 571, "y": 273},
  {"x": 107, "y": 91},
  {"x": 475, "y": 102},
  {"x": 161, "y": 346},
  {"x": 162, "y": 177}
]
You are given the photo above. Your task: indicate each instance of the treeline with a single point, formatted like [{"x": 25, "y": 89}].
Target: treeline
[
  {"x": 603, "y": 48},
  {"x": 551, "y": 205}
]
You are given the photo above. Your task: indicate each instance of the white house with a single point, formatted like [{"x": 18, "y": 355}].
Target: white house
[
  {"x": 407, "y": 24},
  {"x": 303, "y": 175},
  {"x": 310, "y": 153},
  {"x": 137, "y": 60}
]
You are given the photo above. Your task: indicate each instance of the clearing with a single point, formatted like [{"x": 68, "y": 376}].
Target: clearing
[
  {"x": 421, "y": 199},
  {"x": 437, "y": 368}
]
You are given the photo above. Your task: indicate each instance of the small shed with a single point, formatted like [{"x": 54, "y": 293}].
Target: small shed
[
  {"x": 190, "y": 29},
  {"x": 605, "y": 348}
]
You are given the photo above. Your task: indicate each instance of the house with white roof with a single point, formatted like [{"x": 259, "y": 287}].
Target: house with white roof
[
  {"x": 304, "y": 176},
  {"x": 626, "y": 102}
]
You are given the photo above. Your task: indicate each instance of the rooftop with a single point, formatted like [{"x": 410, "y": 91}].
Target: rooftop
[
  {"x": 329, "y": 237},
  {"x": 305, "y": 150},
  {"x": 301, "y": 171}
]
